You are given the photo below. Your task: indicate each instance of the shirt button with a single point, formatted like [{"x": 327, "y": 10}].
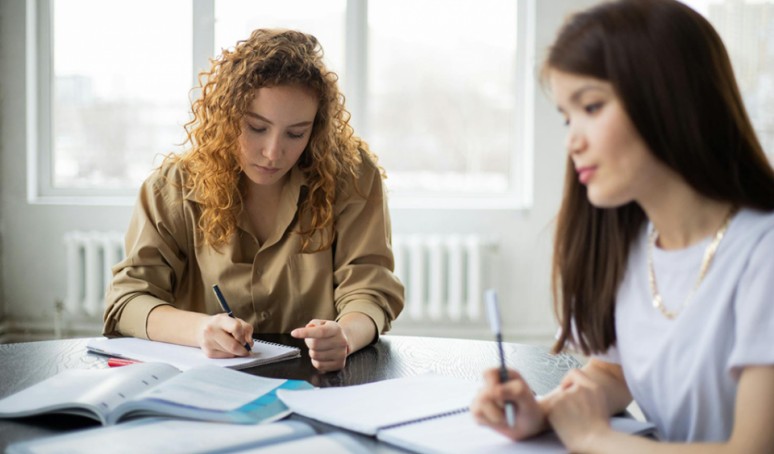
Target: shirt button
[{"x": 265, "y": 315}]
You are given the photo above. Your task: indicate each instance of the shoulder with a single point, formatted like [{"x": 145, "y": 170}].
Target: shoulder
[
  {"x": 755, "y": 218},
  {"x": 748, "y": 247},
  {"x": 169, "y": 172},
  {"x": 168, "y": 182},
  {"x": 365, "y": 183},
  {"x": 165, "y": 193},
  {"x": 368, "y": 169},
  {"x": 752, "y": 228}
]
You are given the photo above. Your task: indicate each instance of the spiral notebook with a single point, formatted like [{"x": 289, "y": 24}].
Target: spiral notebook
[
  {"x": 425, "y": 414},
  {"x": 374, "y": 407},
  {"x": 184, "y": 357},
  {"x": 459, "y": 433}
]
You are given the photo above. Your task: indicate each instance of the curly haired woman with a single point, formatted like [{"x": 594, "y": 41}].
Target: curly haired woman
[{"x": 277, "y": 202}]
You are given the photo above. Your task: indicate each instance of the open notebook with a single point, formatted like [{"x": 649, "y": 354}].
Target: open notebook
[
  {"x": 374, "y": 406},
  {"x": 461, "y": 434},
  {"x": 426, "y": 414},
  {"x": 183, "y": 357}
]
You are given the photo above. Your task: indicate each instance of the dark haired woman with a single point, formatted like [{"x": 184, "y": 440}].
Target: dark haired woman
[{"x": 663, "y": 259}]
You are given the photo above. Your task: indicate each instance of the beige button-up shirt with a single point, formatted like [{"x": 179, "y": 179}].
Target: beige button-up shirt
[{"x": 272, "y": 285}]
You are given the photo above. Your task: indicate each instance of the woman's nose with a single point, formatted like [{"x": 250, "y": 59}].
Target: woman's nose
[
  {"x": 575, "y": 141},
  {"x": 272, "y": 148}
]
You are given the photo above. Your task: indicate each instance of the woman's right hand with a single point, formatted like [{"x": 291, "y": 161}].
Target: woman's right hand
[
  {"x": 488, "y": 408},
  {"x": 221, "y": 336}
]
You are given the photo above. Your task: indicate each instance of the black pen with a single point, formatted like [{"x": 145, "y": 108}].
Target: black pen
[
  {"x": 493, "y": 310},
  {"x": 225, "y": 307}
]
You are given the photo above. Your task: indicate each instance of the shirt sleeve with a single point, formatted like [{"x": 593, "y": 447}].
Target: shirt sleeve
[
  {"x": 754, "y": 309},
  {"x": 363, "y": 261},
  {"x": 610, "y": 356},
  {"x": 154, "y": 260}
]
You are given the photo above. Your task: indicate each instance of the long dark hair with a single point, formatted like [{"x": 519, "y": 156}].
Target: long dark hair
[{"x": 673, "y": 76}]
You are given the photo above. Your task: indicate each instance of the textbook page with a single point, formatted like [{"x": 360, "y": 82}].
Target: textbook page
[
  {"x": 208, "y": 392},
  {"x": 184, "y": 357},
  {"x": 167, "y": 436},
  {"x": 93, "y": 393},
  {"x": 198, "y": 387},
  {"x": 369, "y": 407}
]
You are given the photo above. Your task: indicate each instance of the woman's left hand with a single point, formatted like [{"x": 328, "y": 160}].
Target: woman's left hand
[
  {"x": 579, "y": 412},
  {"x": 327, "y": 344}
]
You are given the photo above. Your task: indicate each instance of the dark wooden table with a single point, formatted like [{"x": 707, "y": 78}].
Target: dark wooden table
[{"x": 24, "y": 364}]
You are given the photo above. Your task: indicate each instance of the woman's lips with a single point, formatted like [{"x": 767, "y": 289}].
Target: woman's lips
[
  {"x": 267, "y": 170},
  {"x": 585, "y": 174}
]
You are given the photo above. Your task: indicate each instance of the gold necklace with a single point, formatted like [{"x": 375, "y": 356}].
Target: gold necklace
[{"x": 709, "y": 254}]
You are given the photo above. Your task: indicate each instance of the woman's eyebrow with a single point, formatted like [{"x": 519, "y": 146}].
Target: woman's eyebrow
[{"x": 262, "y": 118}]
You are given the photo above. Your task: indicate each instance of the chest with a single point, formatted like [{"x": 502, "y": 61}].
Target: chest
[
  {"x": 678, "y": 370},
  {"x": 702, "y": 331},
  {"x": 263, "y": 224},
  {"x": 262, "y": 217}
]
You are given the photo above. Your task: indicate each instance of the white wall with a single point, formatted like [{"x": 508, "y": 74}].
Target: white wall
[
  {"x": 3, "y": 57},
  {"x": 32, "y": 262}
]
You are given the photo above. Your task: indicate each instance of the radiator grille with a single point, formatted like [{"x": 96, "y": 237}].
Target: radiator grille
[
  {"x": 90, "y": 255},
  {"x": 444, "y": 275}
]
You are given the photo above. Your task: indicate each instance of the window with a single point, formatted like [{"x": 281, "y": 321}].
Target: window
[
  {"x": 747, "y": 30},
  {"x": 236, "y": 19},
  {"x": 434, "y": 86},
  {"x": 120, "y": 79},
  {"x": 441, "y": 102}
]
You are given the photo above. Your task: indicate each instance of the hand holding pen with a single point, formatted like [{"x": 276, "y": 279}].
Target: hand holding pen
[
  {"x": 505, "y": 392},
  {"x": 226, "y": 308},
  {"x": 493, "y": 310}
]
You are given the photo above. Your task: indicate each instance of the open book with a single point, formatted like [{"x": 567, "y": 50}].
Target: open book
[
  {"x": 426, "y": 414},
  {"x": 170, "y": 436},
  {"x": 184, "y": 357},
  {"x": 208, "y": 393}
]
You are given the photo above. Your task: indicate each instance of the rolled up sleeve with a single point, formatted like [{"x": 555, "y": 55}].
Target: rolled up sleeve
[
  {"x": 363, "y": 260},
  {"x": 155, "y": 259}
]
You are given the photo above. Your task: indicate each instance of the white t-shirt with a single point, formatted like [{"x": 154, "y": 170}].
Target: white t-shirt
[{"x": 683, "y": 373}]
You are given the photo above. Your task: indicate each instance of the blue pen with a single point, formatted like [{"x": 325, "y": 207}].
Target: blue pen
[
  {"x": 493, "y": 310},
  {"x": 225, "y": 307}
]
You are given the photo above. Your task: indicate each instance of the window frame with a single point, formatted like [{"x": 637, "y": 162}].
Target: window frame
[{"x": 40, "y": 113}]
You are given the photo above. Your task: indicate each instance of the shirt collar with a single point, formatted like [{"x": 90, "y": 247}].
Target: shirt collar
[
  {"x": 292, "y": 195},
  {"x": 297, "y": 180}
]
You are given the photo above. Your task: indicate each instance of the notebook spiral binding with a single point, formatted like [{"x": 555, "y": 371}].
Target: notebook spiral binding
[
  {"x": 275, "y": 344},
  {"x": 427, "y": 418}
]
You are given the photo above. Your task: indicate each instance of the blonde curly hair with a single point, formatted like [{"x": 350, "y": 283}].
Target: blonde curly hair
[{"x": 269, "y": 57}]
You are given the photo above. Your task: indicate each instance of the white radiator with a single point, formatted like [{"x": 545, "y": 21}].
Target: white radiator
[
  {"x": 90, "y": 255},
  {"x": 444, "y": 275}
]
